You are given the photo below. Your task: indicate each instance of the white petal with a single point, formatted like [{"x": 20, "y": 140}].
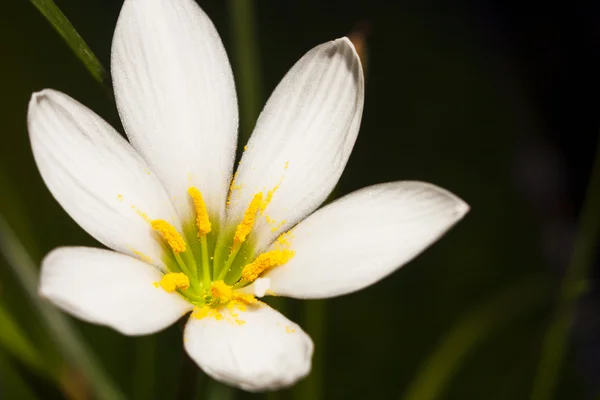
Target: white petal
[
  {"x": 175, "y": 93},
  {"x": 108, "y": 288},
  {"x": 303, "y": 137},
  {"x": 97, "y": 176},
  {"x": 256, "y": 350},
  {"x": 363, "y": 237}
]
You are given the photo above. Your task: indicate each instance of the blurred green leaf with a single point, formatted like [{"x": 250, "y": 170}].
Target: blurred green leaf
[
  {"x": 573, "y": 285},
  {"x": 219, "y": 391},
  {"x": 63, "y": 26},
  {"x": 14, "y": 340},
  {"x": 58, "y": 326},
  {"x": 12, "y": 384},
  {"x": 144, "y": 372},
  {"x": 478, "y": 325},
  {"x": 314, "y": 324},
  {"x": 11, "y": 205},
  {"x": 246, "y": 62}
]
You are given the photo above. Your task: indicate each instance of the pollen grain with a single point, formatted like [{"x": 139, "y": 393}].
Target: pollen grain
[
  {"x": 170, "y": 234},
  {"x": 266, "y": 261},
  {"x": 243, "y": 229},
  {"x": 202, "y": 221},
  {"x": 174, "y": 280}
]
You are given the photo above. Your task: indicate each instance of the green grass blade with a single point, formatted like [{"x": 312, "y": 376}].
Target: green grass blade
[
  {"x": 144, "y": 371},
  {"x": 314, "y": 324},
  {"x": 12, "y": 384},
  {"x": 57, "y": 324},
  {"x": 15, "y": 342},
  {"x": 573, "y": 285},
  {"x": 246, "y": 63},
  {"x": 63, "y": 26},
  {"x": 446, "y": 359}
]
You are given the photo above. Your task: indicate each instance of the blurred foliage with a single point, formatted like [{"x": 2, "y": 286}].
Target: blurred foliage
[{"x": 443, "y": 105}]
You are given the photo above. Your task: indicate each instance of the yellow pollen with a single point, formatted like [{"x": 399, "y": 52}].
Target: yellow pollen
[
  {"x": 207, "y": 312},
  {"x": 265, "y": 261},
  {"x": 270, "y": 194},
  {"x": 243, "y": 299},
  {"x": 173, "y": 281},
  {"x": 142, "y": 256},
  {"x": 224, "y": 294},
  {"x": 221, "y": 291},
  {"x": 284, "y": 239},
  {"x": 232, "y": 187},
  {"x": 170, "y": 234},
  {"x": 202, "y": 221},
  {"x": 244, "y": 228}
]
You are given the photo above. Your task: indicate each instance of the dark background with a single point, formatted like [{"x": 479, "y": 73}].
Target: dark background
[{"x": 497, "y": 102}]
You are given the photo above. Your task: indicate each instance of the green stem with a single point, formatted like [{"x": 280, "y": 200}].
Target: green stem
[
  {"x": 246, "y": 62},
  {"x": 59, "y": 327},
  {"x": 314, "y": 323},
  {"x": 573, "y": 285},
  {"x": 61, "y": 24},
  {"x": 144, "y": 374}
]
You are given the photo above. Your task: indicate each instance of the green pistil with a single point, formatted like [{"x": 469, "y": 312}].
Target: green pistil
[{"x": 209, "y": 258}]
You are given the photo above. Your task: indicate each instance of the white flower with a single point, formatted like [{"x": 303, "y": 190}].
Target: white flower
[{"x": 185, "y": 234}]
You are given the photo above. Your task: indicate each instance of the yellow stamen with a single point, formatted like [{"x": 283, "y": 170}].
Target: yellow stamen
[
  {"x": 244, "y": 228},
  {"x": 170, "y": 234},
  {"x": 202, "y": 221},
  {"x": 265, "y": 261},
  {"x": 224, "y": 293},
  {"x": 221, "y": 291},
  {"x": 173, "y": 281}
]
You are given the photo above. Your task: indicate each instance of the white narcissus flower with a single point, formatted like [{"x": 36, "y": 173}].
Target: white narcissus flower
[{"x": 186, "y": 235}]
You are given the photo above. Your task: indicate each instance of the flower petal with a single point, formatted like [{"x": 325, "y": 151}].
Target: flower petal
[
  {"x": 256, "y": 350},
  {"x": 108, "y": 288},
  {"x": 176, "y": 97},
  {"x": 363, "y": 237},
  {"x": 303, "y": 138},
  {"x": 97, "y": 176}
]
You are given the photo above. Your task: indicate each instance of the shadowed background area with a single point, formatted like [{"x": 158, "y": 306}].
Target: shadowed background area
[{"x": 492, "y": 102}]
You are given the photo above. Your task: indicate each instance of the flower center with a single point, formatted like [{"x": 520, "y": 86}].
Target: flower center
[{"x": 208, "y": 263}]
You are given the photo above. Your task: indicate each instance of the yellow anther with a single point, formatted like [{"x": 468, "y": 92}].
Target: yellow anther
[
  {"x": 244, "y": 228},
  {"x": 202, "y": 221},
  {"x": 173, "y": 281},
  {"x": 170, "y": 234},
  {"x": 224, "y": 295},
  {"x": 221, "y": 291},
  {"x": 265, "y": 261}
]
